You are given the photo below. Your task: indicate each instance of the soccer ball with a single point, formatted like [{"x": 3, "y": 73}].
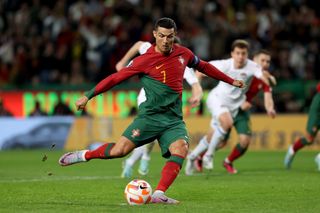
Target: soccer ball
[{"x": 138, "y": 192}]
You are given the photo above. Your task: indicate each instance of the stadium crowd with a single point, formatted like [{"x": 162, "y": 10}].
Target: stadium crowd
[{"x": 69, "y": 42}]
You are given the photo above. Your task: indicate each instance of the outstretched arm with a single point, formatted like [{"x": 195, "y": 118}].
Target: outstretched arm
[
  {"x": 105, "y": 85},
  {"x": 213, "y": 72},
  {"x": 129, "y": 55}
]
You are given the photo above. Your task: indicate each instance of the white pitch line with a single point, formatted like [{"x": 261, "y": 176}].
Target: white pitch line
[{"x": 62, "y": 178}]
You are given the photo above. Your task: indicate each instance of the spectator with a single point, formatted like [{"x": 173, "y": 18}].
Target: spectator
[
  {"x": 62, "y": 108},
  {"x": 37, "y": 111},
  {"x": 41, "y": 40}
]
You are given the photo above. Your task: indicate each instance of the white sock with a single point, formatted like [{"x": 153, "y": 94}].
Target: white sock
[
  {"x": 135, "y": 156},
  {"x": 227, "y": 160},
  {"x": 201, "y": 147},
  {"x": 218, "y": 135}
]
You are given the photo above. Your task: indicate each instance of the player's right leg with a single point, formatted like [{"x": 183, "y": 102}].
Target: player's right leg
[
  {"x": 242, "y": 124},
  {"x": 136, "y": 134},
  {"x": 106, "y": 151},
  {"x": 224, "y": 125}
]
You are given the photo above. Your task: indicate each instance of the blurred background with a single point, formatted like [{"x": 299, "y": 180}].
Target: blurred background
[{"x": 52, "y": 51}]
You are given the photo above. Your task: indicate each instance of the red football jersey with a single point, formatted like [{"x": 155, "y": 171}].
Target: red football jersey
[
  {"x": 255, "y": 86},
  {"x": 168, "y": 69}
]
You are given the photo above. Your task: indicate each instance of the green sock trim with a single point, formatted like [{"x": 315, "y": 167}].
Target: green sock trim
[
  {"x": 304, "y": 141},
  {"x": 108, "y": 149},
  {"x": 90, "y": 94},
  {"x": 241, "y": 149},
  {"x": 177, "y": 159}
]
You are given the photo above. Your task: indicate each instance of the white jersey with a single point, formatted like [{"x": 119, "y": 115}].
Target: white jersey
[
  {"x": 144, "y": 47},
  {"x": 226, "y": 95},
  {"x": 189, "y": 73}
]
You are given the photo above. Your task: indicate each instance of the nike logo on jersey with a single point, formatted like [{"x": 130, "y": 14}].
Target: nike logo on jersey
[{"x": 158, "y": 67}]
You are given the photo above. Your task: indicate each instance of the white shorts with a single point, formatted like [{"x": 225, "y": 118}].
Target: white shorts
[{"x": 216, "y": 108}]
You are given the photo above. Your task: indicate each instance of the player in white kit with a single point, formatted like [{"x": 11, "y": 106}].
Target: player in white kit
[
  {"x": 143, "y": 152},
  {"x": 224, "y": 102}
]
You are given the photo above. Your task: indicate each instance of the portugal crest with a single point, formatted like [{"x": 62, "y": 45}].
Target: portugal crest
[
  {"x": 135, "y": 133},
  {"x": 181, "y": 60}
]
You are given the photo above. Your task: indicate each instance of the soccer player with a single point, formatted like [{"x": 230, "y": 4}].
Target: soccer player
[
  {"x": 312, "y": 129},
  {"x": 143, "y": 152},
  {"x": 161, "y": 70},
  {"x": 229, "y": 108},
  {"x": 242, "y": 121}
]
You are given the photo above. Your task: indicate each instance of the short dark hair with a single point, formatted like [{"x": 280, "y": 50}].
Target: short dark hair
[
  {"x": 165, "y": 22},
  {"x": 262, "y": 51},
  {"x": 242, "y": 44}
]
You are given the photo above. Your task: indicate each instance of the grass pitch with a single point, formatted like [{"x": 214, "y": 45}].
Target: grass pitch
[{"x": 28, "y": 184}]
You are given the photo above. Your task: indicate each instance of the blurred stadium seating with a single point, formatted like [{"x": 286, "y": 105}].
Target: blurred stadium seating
[{"x": 70, "y": 45}]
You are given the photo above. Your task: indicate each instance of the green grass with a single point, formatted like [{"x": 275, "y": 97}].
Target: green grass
[{"x": 262, "y": 185}]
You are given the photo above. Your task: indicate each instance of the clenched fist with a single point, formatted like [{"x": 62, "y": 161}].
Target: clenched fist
[
  {"x": 239, "y": 83},
  {"x": 81, "y": 103}
]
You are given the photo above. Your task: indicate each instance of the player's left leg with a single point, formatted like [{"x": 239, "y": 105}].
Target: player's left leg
[
  {"x": 236, "y": 153},
  {"x": 170, "y": 171}
]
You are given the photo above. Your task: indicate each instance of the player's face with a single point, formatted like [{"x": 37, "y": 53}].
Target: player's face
[
  {"x": 263, "y": 60},
  {"x": 164, "y": 39},
  {"x": 240, "y": 56}
]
